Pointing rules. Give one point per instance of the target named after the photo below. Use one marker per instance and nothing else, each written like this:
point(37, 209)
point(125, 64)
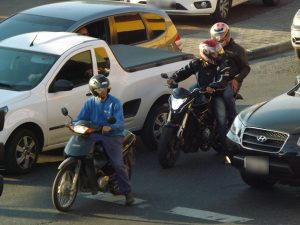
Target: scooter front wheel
point(64, 192)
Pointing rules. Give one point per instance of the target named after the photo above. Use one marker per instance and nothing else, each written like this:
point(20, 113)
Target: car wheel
point(21, 151)
point(222, 10)
point(271, 2)
point(257, 181)
point(155, 121)
point(297, 51)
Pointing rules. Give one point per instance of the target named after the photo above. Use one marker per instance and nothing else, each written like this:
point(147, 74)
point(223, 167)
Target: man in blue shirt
point(98, 109)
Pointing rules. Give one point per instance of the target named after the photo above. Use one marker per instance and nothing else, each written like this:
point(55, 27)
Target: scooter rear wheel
point(63, 196)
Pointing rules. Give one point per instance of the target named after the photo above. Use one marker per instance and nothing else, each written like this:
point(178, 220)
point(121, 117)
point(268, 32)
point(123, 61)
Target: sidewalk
point(262, 35)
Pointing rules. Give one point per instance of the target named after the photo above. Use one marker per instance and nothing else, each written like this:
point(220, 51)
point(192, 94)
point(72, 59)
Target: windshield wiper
point(8, 86)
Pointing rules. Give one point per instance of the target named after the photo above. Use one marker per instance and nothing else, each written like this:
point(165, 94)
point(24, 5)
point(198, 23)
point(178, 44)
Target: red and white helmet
point(210, 51)
point(220, 32)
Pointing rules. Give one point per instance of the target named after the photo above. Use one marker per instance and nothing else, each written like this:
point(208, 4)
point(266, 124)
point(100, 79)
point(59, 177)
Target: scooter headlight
point(80, 129)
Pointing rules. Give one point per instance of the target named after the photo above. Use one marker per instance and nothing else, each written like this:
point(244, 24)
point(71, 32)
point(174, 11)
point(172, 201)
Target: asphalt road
point(199, 187)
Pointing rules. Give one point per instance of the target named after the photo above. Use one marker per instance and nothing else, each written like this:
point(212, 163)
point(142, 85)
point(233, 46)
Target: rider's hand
point(210, 90)
point(235, 85)
point(106, 129)
point(170, 82)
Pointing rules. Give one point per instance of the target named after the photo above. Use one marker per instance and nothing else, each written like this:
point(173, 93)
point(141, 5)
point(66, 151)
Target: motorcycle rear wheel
point(62, 195)
point(168, 148)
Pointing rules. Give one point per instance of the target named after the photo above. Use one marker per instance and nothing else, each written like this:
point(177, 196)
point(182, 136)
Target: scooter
point(81, 152)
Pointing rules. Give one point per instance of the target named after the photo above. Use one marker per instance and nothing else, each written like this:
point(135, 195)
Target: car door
point(77, 68)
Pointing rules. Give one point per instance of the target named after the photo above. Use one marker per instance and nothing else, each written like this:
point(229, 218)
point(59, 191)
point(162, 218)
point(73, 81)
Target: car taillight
point(179, 42)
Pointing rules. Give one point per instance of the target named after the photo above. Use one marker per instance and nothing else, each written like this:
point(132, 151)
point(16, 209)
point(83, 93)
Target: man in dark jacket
point(212, 76)
point(237, 54)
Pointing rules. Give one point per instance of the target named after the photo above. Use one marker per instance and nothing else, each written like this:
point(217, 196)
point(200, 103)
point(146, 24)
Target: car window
point(103, 63)
point(100, 29)
point(130, 29)
point(23, 70)
point(156, 23)
point(78, 69)
point(25, 23)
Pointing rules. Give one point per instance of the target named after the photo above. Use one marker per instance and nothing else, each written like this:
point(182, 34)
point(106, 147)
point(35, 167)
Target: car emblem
point(261, 138)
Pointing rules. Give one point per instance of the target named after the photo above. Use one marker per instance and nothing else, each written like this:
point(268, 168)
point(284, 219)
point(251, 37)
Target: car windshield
point(25, 23)
point(23, 70)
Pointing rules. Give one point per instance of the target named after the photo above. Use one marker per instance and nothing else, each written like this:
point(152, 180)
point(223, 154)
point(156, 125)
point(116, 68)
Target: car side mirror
point(164, 76)
point(62, 85)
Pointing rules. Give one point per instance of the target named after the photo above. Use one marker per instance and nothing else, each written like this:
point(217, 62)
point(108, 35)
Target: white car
point(41, 72)
point(218, 9)
point(295, 33)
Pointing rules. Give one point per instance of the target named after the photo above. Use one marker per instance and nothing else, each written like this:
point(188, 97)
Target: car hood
point(281, 113)
point(9, 97)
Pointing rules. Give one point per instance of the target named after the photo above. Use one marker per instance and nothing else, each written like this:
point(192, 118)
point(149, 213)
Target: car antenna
point(33, 40)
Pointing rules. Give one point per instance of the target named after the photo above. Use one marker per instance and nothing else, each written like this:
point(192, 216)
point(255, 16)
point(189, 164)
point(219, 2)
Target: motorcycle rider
point(212, 75)
point(221, 32)
point(98, 109)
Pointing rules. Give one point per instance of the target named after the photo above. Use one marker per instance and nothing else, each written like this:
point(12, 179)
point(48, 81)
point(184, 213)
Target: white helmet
point(210, 51)
point(220, 32)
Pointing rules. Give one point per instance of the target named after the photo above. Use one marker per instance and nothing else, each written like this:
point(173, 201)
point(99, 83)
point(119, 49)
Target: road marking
point(108, 197)
point(207, 215)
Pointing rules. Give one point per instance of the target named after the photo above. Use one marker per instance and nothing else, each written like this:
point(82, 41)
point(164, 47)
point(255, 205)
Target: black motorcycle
point(190, 125)
point(74, 174)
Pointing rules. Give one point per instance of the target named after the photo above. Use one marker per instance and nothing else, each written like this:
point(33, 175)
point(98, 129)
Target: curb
point(269, 50)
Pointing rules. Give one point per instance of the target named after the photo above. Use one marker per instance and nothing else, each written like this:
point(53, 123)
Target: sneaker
point(129, 199)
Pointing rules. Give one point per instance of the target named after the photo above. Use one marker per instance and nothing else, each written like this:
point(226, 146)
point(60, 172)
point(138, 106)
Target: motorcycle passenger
point(98, 109)
point(210, 75)
point(221, 32)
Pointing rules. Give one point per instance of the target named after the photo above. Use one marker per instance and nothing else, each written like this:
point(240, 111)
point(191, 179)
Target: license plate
point(163, 4)
point(257, 165)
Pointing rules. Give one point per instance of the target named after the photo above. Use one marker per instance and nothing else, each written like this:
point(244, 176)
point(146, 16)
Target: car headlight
point(3, 112)
point(237, 126)
point(296, 21)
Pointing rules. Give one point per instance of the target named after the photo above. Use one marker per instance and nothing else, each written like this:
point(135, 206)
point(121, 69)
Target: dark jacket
point(207, 75)
point(238, 54)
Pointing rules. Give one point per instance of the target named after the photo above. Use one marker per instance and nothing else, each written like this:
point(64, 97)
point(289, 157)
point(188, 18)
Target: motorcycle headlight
point(237, 126)
point(176, 103)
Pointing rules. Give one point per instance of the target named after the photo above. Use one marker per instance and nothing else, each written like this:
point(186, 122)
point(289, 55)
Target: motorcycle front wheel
point(63, 196)
point(168, 147)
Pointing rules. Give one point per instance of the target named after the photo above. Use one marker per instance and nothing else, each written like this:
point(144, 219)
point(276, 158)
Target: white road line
point(108, 197)
point(207, 215)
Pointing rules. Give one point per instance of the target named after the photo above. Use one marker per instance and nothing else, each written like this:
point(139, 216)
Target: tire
point(152, 130)
point(222, 11)
point(1, 184)
point(297, 51)
point(168, 149)
point(63, 183)
point(257, 181)
point(271, 2)
point(22, 151)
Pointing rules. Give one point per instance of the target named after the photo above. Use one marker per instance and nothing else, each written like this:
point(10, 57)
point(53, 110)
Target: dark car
point(114, 22)
point(264, 141)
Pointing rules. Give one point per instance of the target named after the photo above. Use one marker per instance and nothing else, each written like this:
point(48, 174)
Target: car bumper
point(284, 166)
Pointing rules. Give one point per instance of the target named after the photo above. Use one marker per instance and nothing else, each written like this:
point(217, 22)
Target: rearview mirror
point(64, 111)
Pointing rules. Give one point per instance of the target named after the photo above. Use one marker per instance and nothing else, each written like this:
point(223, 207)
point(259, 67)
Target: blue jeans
point(113, 146)
point(219, 111)
point(229, 103)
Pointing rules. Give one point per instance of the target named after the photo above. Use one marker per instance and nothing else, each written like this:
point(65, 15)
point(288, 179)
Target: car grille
point(263, 140)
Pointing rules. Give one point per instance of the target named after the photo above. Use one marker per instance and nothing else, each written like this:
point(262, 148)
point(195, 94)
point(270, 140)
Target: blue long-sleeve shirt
point(98, 112)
